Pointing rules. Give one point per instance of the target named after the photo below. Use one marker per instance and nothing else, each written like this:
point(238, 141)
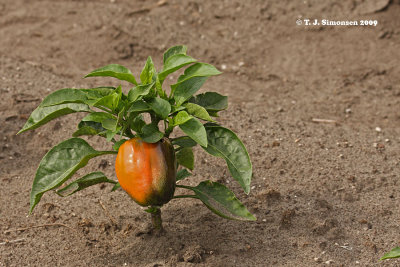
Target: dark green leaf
point(88, 128)
point(181, 118)
point(394, 253)
point(221, 201)
point(225, 144)
point(182, 174)
point(185, 157)
point(59, 164)
point(119, 143)
point(187, 88)
point(84, 182)
point(211, 101)
point(107, 120)
point(197, 70)
point(198, 111)
point(176, 109)
point(151, 134)
point(174, 63)
point(139, 106)
point(116, 186)
point(42, 115)
point(179, 49)
point(140, 90)
point(116, 71)
point(138, 123)
point(184, 141)
point(195, 130)
point(148, 72)
point(110, 101)
point(64, 96)
point(98, 92)
point(160, 106)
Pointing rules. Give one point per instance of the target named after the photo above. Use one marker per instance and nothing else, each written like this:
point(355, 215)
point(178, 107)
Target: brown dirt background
point(322, 193)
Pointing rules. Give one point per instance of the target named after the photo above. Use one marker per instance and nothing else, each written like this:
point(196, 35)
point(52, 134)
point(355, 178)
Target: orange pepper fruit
point(147, 171)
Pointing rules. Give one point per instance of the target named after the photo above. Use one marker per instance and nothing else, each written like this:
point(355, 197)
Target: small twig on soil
point(148, 8)
point(324, 121)
point(12, 241)
point(38, 226)
point(107, 213)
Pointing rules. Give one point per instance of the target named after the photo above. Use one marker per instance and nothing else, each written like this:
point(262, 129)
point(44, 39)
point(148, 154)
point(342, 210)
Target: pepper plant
point(150, 163)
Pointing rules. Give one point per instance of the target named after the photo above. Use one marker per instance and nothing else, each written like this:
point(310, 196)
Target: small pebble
point(223, 66)
point(348, 110)
point(378, 129)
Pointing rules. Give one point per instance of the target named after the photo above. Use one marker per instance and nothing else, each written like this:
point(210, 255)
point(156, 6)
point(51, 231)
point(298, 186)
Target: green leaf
point(110, 101)
point(64, 96)
point(148, 72)
point(59, 164)
point(394, 253)
point(138, 123)
point(174, 63)
point(181, 118)
point(139, 106)
point(84, 182)
point(116, 186)
point(179, 49)
point(107, 120)
point(221, 201)
point(195, 130)
point(182, 174)
point(160, 106)
point(184, 141)
point(185, 157)
point(42, 115)
point(115, 71)
point(211, 101)
point(187, 88)
point(89, 128)
point(140, 90)
point(197, 70)
point(151, 134)
point(98, 92)
point(225, 144)
point(198, 111)
point(119, 143)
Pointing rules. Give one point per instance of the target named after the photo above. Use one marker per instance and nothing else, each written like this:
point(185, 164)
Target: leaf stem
point(186, 196)
point(184, 186)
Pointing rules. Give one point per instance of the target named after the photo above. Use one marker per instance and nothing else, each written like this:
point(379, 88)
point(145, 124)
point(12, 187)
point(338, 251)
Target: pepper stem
point(156, 219)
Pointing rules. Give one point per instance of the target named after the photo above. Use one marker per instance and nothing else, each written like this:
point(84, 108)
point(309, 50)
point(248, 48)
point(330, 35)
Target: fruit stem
point(156, 219)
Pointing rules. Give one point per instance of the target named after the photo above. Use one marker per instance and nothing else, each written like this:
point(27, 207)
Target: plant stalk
point(156, 219)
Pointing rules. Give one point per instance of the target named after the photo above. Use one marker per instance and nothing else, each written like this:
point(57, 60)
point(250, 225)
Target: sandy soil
point(323, 193)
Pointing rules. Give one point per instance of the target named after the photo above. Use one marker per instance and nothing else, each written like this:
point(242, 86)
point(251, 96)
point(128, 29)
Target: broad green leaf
point(197, 111)
point(107, 120)
point(159, 89)
point(184, 141)
point(84, 182)
point(64, 96)
point(98, 92)
point(148, 72)
point(118, 144)
point(195, 130)
point(160, 106)
point(59, 164)
point(116, 186)
point(176, 109)
point(185, 157)
point(151, 134)
point(174, 63)
point(140, 90)
point(139, 106)
point(115, 71)
point(42, 115)
point(182, 174)
point(196, 70)
point(138, 123)
point(179, 49)
point(187, 88)
point(110, 101)
point(220, 200)
point(211, 101)
point(181, 118)
point(224, 143)
point(394, 253)
point(89, 128)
